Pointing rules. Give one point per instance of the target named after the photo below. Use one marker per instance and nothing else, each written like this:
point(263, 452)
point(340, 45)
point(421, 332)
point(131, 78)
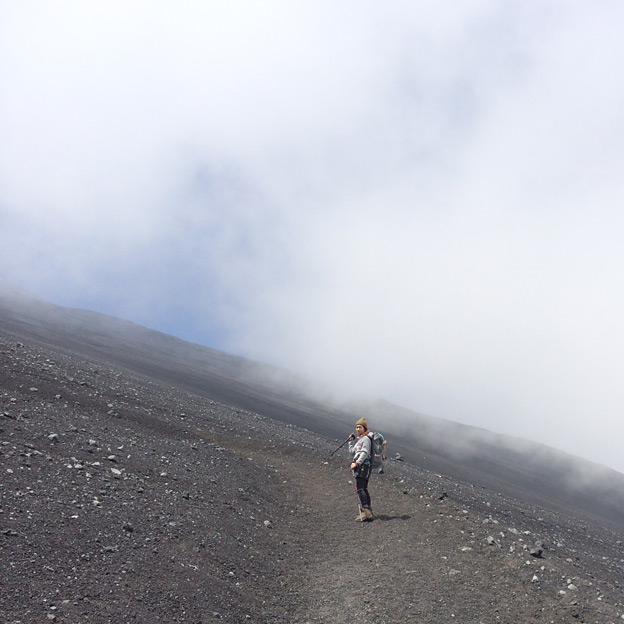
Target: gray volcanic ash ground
point(125, 499)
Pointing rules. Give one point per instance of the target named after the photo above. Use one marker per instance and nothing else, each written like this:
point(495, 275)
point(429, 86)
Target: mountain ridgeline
point(523, 469)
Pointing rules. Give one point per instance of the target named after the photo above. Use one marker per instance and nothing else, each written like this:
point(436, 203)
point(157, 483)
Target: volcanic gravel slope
point(123, 499)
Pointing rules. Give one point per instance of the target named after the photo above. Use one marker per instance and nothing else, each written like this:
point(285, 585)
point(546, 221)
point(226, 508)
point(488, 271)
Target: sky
point(419, 201)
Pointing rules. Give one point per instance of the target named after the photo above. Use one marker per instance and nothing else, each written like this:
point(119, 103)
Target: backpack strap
point(371, 436)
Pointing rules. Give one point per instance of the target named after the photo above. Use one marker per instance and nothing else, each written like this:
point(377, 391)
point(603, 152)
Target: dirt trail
point(424, 559)
point(395, 569)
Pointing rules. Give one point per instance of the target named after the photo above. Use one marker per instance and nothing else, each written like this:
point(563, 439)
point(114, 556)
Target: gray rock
point(537, 550)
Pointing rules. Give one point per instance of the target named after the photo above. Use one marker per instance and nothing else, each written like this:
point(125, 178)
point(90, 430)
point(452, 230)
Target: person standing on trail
point(361, 449)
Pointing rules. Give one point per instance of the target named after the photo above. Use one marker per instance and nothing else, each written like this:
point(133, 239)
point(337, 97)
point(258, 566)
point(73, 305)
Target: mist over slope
point(517, 467)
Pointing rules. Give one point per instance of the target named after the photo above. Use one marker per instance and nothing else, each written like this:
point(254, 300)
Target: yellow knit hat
point(362, 422)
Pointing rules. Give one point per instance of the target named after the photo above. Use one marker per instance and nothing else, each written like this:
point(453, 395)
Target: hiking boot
point(366, 515)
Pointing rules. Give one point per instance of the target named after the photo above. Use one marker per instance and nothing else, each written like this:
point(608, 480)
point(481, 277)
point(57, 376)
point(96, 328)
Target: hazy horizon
point(419, 203)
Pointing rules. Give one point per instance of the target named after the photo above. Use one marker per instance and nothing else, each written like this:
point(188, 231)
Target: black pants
point(362, 475)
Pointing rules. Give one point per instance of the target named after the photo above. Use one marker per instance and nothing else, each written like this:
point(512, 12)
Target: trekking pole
point(347, 440)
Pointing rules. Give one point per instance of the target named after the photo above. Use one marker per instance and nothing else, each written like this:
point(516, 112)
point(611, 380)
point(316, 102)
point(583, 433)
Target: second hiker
point(361, 449)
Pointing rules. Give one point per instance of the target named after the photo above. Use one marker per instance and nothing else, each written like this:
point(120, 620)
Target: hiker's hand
point(353, 466)
point(352, 436)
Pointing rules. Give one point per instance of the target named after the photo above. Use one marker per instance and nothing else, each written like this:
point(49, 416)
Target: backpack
point(377, 441)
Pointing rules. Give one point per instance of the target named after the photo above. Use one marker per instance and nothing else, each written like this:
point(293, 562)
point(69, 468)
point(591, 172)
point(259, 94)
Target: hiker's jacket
point(361, 450)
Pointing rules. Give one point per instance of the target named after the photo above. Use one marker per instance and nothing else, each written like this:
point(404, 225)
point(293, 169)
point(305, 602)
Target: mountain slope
point(125, 499)
point(514, 467)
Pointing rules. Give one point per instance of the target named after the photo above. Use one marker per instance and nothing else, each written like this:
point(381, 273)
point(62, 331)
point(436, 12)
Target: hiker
point(361, 466)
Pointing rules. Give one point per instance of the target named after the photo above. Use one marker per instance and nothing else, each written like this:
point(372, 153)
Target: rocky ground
point(126, 500)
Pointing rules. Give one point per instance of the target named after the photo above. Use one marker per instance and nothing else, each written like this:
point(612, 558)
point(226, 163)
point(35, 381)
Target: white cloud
point(419, 202)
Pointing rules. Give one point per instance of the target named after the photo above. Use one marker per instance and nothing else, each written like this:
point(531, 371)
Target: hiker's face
point(359, 429)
